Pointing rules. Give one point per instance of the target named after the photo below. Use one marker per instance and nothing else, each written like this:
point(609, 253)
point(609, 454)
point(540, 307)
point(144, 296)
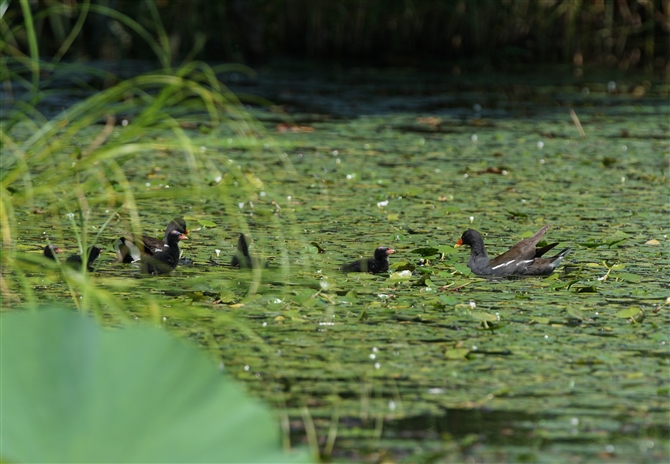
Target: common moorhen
point(524, 258)
point(130, 249)
point(75, 260)
point(50, 251)
point(242, 258)
point(380, 263)
point(164, 261)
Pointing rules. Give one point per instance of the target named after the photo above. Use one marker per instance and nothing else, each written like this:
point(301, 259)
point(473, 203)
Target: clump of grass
point(75, 173)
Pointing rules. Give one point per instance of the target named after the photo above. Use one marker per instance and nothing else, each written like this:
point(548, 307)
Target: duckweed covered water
point(435, 364)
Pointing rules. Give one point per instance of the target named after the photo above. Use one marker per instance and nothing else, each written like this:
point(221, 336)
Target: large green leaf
point(74, 392)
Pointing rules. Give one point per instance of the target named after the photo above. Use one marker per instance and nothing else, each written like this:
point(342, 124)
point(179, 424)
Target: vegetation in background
point(623, 33)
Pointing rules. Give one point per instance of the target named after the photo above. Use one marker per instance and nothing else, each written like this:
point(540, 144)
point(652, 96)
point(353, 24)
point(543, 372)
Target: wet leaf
point(401, 276)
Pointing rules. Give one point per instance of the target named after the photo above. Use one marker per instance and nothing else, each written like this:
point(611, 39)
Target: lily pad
point(628, 312)
point(87, 394)
point(206, 223)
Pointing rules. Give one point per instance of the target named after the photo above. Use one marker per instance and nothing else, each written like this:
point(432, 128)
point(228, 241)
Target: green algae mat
point(425, 363)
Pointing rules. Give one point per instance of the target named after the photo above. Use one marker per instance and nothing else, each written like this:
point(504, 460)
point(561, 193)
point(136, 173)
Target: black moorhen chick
point(75, 260)
point(242, 258)
point(50, 251)
point(522, 259)
point(164, 261)
point(129, 249)
point(380, 263)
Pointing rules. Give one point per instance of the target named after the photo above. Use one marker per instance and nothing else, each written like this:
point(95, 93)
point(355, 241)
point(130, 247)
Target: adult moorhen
point(130, 249)
point(380, 263)
point(164, 261)
point(50, 251)
point(75, 260)
point(524, 258)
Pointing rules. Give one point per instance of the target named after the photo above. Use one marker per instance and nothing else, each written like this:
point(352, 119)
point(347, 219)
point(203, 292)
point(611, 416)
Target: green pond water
point(434, 365)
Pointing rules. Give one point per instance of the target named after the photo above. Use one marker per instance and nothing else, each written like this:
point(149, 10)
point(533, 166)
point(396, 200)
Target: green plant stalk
point(65, 46)
point(34, 51)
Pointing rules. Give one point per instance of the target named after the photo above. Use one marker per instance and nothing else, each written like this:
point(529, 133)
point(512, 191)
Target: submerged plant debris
point(426, 362)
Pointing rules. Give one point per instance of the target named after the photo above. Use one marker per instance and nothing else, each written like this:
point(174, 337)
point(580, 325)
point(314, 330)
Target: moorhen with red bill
point(130, 249)
point(380, 262)
point(524, 258)
point(164, 261)
point(50, 251)
point(75, 260)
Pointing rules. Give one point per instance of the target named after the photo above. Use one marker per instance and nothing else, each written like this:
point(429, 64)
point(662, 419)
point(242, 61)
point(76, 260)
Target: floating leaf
point(304, 296)
point(653, 241)
point(592, 244)
point(518, 214)
point(463, 269)
point(617, 238)
point(587, 289)
point(424, 280)
point(448, 300)
point(393, 217)
point(484, 317)
point(575, 314)
point(447, 249)
point(401, 276)
point(404, 266)
point(627, 276)
point(350, 297)
point(426, 251)
point(85, 395)
point(254, 180)
point(456, 353)
point(206, 223)
point(227, 297)
point(626, 313)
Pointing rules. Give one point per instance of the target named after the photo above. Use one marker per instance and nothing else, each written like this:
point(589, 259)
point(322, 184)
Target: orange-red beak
point(390, 251)
point(459, 243)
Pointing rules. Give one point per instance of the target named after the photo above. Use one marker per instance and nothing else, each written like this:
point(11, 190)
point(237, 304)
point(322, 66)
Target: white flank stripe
point(503, 265)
